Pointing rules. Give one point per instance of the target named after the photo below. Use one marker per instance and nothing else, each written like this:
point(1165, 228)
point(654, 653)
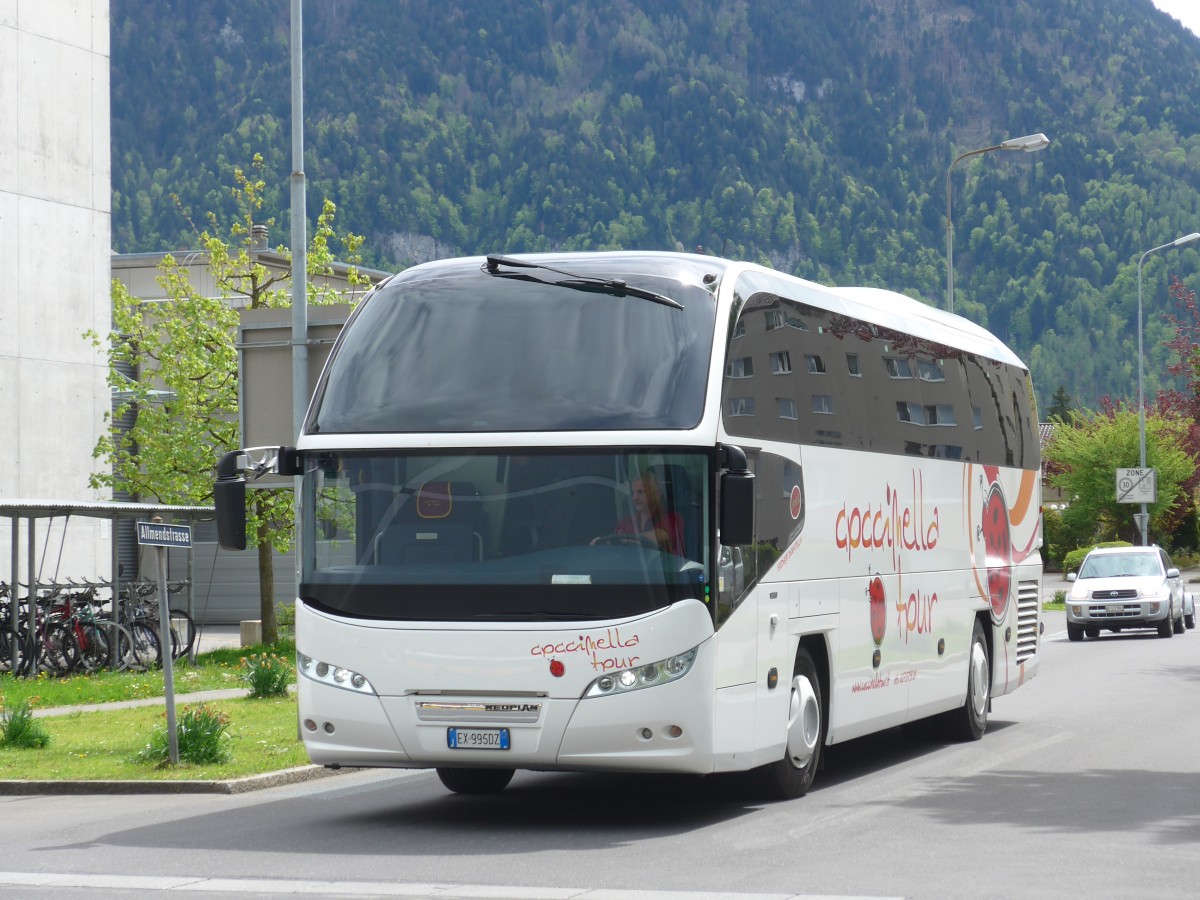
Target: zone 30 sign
point(1137, 486)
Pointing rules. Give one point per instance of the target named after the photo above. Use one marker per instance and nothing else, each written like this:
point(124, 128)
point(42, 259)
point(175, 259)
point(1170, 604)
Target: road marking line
point(377, 888)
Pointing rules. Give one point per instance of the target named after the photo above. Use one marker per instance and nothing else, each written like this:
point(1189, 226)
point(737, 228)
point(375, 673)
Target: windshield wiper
point(614, 286)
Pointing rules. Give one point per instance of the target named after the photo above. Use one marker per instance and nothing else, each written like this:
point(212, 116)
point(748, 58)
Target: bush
point(202, 735)
point(18, 727)
point(268, 674)
point(1073, 559)
point(285, 618)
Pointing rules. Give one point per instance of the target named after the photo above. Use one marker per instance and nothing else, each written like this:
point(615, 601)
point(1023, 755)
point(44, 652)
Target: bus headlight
point(644, 676)
point(332, 675)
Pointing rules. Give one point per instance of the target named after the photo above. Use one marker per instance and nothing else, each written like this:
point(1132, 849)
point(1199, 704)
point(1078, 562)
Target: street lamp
point(1144, 522)
point(1030, 143)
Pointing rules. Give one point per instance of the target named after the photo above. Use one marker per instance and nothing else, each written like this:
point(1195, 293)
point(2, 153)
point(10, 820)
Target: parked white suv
point(1125, 587)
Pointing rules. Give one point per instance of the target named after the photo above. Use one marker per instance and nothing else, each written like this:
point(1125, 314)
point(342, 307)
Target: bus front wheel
point(475, 781)
point(792, 776)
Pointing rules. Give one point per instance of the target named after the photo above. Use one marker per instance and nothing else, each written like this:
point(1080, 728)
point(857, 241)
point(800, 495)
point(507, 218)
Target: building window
point(977, 417)
point(777, 318)
point(822, 403)
point(787, 407)
point(741, 406)
point(852, 365)
point(815, 365)
point(940, 414)
point(910, 412)
point(742, 367)
point(898, 368)
point(930, 371)
point(781, 363)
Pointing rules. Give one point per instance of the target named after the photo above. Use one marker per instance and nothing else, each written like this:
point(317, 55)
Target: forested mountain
point(812, 136)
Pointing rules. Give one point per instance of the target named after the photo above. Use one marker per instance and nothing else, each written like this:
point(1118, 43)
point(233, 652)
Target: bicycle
point(100, 642)
point(139, 609)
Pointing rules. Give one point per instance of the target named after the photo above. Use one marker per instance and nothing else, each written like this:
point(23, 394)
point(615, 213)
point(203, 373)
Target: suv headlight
point(650, 675)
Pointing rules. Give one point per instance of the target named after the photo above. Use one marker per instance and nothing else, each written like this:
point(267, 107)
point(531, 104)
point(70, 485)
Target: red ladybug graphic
point(878, 610)
point(997, 542)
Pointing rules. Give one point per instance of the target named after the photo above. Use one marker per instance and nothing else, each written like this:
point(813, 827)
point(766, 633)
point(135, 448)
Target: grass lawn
point(103, 745)
point(216, 670)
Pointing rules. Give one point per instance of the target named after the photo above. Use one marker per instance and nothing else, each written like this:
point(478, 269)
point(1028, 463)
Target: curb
point(232, 786)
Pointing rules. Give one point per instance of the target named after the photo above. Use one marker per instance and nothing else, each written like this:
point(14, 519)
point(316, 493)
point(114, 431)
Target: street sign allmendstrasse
point(156, 534)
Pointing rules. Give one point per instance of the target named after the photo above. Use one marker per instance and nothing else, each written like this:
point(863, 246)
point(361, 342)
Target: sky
point(1186, 11)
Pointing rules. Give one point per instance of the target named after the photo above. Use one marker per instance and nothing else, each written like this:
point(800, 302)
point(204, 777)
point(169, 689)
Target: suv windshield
point(505, 536)
point(1116, 565)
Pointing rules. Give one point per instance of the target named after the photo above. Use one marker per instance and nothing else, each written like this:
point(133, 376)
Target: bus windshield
point(513, 536)
point(456, 350)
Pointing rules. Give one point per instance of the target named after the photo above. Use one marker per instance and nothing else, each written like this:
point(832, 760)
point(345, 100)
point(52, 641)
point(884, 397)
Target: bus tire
point(792, 776)
point(475, 781)
point(969, 721)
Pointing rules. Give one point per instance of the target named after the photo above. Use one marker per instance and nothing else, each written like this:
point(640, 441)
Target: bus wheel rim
point(804, 722)
point(979, 678)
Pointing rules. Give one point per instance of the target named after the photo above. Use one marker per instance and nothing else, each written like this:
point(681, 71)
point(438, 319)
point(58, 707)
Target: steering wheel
point(621, 537)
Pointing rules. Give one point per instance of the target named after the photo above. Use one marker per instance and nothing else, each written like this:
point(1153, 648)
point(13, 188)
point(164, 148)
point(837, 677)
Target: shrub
point(202, 735)
point(285, 618)
point(268, 674)
point(1073, 559)
point(18, 727)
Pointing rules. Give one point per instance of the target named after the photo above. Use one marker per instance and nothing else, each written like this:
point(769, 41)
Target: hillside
point(812, 137)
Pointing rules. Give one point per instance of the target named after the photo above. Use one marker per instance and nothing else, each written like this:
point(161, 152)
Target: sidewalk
point(216, 637)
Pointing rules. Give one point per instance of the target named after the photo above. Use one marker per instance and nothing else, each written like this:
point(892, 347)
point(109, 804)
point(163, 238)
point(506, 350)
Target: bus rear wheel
point(792, 776)
point(475, 781)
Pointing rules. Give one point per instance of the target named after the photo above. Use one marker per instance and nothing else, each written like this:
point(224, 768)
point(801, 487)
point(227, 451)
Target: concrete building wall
point(55, 243)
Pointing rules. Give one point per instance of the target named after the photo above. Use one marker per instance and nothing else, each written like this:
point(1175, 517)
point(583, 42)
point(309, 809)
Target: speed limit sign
point(1137, 485)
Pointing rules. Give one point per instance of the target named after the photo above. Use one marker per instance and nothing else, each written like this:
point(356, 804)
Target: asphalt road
point(1087, 784)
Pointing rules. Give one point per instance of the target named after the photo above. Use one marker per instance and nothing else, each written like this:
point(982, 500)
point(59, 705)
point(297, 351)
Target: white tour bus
point(652, 512)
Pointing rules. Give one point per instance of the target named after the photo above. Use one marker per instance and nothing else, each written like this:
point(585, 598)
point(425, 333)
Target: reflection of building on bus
point(855, 477)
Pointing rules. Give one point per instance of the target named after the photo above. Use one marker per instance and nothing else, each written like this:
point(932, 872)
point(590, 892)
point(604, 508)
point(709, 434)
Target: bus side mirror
point(229, 498)
point(737, 508)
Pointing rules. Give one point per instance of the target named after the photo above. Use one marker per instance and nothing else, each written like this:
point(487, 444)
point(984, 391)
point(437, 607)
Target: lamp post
point(1030, 143)
point(1144, 522)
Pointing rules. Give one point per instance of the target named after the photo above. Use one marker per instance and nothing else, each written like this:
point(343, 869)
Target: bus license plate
point(477, 738)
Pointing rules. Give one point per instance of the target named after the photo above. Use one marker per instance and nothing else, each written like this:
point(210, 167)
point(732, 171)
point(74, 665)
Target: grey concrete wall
point(55, 243)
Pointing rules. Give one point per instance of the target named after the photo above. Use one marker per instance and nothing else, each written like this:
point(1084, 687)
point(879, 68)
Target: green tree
point(185, 393)
point(1083, 461)
point(1061, 405)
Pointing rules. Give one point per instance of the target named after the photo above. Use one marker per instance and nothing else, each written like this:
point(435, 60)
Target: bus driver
point(650, 522)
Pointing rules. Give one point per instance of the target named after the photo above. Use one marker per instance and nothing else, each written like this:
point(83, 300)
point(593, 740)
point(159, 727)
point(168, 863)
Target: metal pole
point(14, 609)
point(299, 257)
point(31, 562)
point(164, 642)
point(299, 215)
point(1144, 522)
point(950, 225)
point(1030, 143)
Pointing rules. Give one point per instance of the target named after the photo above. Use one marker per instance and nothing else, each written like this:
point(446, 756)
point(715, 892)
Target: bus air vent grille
point(1028, 614)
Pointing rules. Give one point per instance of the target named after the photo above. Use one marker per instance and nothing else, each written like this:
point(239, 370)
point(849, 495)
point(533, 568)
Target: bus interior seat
point(442, 522)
